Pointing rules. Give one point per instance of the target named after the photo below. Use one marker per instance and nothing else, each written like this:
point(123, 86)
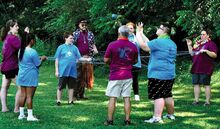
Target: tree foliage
point(50, 18)
point(197, 15)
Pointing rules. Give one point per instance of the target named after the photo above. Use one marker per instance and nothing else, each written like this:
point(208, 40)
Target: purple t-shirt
point(10, 53)
point(122, 54)
point(83, 44)
point(202, 63)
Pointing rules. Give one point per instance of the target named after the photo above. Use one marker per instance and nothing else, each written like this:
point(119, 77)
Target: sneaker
point(136, 97)
point(58, 103)
point(70, 103)
point(195, 103)
point(206, 104)
point(154, 120)
point(21, 117)
point(32, 118)
point(108, 122)
point(127, 122)
point(168, 116)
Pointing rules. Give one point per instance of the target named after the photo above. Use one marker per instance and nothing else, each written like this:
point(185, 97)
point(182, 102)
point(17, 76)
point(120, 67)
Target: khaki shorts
point(117, 88)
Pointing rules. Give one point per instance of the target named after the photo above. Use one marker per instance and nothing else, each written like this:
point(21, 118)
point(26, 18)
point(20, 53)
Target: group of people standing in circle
point(74, 67)
point(161, 69)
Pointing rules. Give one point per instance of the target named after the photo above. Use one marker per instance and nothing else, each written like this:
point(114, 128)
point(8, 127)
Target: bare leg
point(70, 93)
point(207, 93)
point(59, 94)
point(197, 92)
point(16, 109)
point(30, 94)
point(169, 105)
point(127, 108)
point(158, 107)
point(22, 98)
point(111, 107)
point(4, 90)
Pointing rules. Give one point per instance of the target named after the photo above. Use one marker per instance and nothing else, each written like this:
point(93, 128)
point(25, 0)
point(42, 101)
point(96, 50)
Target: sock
point(21, 109)
point(30, 113)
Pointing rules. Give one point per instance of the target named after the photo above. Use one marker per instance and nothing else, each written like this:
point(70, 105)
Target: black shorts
point(70, 81)
point(10, 74)
point(201, 79)
point(159, 88)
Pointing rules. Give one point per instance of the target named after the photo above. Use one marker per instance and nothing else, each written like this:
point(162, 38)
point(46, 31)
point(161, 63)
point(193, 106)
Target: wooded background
point(49, 19)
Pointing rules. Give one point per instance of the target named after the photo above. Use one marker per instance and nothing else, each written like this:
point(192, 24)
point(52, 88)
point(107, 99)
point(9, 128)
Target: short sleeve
point(212, 47)
point(152, 45)
point(57, 54)
point(108, 52)
point(36, 58)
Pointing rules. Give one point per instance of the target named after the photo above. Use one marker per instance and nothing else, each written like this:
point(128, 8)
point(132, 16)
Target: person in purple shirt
point(84, 40)
point(9, 65)
point(120, 55)
point(203, 53)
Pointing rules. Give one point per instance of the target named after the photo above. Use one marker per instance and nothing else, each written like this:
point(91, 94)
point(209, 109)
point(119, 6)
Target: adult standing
point(120, 55)
point(203, 52)
point(136, 67)
point(84, 40)
point(9, 65)
point(161, 71)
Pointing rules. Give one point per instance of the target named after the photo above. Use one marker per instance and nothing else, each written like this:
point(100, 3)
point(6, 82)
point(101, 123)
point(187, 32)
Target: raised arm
point(142, 39)
point(189, 45)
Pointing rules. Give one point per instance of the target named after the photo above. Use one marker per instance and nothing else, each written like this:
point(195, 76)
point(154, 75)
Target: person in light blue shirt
point(66, 56)
point(161, 71)
point(136, 67)
point(29, 63)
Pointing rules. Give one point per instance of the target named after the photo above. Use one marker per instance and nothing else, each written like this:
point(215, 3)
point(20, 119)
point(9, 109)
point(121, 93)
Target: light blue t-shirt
point(162, 59)
point(67, 56)
point(133, 39)
point(28, 68)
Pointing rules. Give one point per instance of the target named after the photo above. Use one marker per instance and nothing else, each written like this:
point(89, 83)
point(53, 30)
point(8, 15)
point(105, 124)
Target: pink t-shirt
point(122, 54)
point(202, 63)
point(10, 53)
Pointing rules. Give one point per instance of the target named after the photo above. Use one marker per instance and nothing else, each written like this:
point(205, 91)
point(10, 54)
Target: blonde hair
point(130, 23)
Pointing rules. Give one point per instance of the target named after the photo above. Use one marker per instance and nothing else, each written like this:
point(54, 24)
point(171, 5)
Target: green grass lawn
point(90, 114)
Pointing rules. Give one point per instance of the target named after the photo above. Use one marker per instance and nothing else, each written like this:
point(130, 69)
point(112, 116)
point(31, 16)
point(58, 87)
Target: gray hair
point(123, 31)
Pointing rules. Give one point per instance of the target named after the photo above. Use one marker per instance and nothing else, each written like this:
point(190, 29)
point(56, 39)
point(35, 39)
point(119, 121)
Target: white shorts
point(117, 88)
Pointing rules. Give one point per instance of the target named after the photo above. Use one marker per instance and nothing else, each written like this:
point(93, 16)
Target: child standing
point(66, 56)
point(29, 63)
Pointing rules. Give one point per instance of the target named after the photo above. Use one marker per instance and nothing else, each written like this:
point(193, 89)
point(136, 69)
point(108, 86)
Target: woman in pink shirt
point(9, 65)
point(203, 53)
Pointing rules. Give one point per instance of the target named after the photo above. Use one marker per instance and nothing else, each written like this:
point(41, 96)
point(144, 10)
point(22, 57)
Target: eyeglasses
point(83, 25)
point(160, 28)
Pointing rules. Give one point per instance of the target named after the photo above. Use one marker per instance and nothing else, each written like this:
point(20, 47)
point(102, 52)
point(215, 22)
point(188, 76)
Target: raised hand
point(139, 27)
point(189, 42)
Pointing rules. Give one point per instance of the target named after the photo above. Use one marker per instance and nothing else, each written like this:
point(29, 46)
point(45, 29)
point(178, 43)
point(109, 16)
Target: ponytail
point(26, 39)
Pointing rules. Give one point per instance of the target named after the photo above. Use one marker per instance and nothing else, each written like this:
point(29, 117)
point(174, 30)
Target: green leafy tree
point(197, 15)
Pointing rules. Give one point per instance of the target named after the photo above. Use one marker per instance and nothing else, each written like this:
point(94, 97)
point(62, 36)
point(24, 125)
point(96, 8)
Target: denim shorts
point(201, 79)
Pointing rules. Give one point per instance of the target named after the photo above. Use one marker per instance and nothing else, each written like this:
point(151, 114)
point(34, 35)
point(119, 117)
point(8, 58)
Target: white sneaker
point(168, 116)
point(154, 120)
point(136, 97)
point(32, 118)
point(21, 117)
